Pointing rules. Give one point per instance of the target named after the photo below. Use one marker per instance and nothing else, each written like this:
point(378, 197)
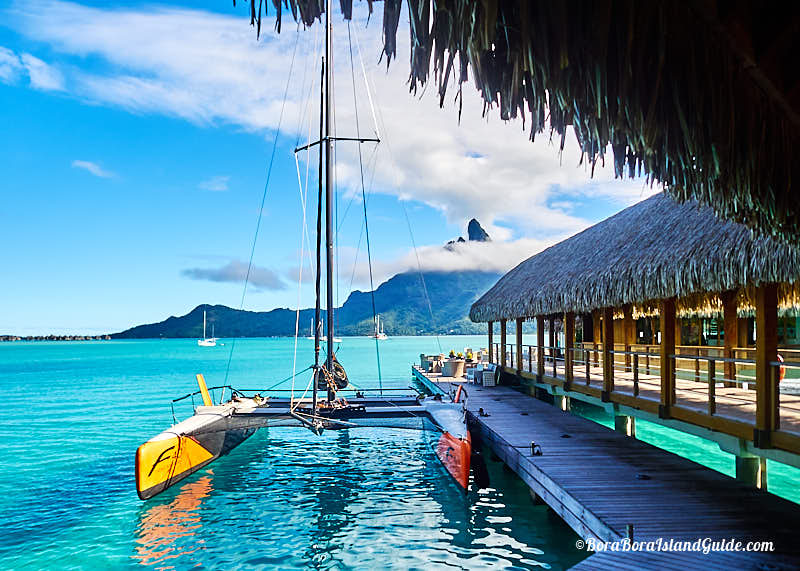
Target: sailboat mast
point(329, 185)
point(204, 324)
point(315, 324)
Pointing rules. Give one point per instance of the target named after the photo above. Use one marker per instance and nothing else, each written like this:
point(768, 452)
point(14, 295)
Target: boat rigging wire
point(264, 194)
point(304, 240)
point(393, 161)
point(366, 221)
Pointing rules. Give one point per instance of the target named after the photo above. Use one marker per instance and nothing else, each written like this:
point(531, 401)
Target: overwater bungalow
point(669, 313)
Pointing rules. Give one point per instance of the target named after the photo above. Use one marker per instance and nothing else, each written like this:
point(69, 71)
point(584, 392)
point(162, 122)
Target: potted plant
point(454, 366)
point(469, 357)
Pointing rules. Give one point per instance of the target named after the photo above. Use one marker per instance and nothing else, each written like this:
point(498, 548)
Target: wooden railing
point(709, 389)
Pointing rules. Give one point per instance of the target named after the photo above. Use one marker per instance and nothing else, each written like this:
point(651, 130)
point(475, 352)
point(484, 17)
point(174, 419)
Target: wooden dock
point(608, 486)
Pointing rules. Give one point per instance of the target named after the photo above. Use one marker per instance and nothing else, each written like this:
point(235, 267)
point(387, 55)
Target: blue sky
point(134, 147)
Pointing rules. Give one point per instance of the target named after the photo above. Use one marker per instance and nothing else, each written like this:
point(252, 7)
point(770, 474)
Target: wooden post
point(598, 334)
point(766, 353)
point(629, 332)
point(519, 344)
point(491, 341)
point(730, 325)
point(569, 342)
point(608, 357)
point(668, 328)
point(502, 342)
point(539, 346)
point(587, 328)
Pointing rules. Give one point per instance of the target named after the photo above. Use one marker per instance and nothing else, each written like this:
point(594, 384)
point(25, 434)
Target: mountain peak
point(476, 233)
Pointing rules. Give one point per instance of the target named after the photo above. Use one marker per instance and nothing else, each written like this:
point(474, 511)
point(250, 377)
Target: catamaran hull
point(455, 454)
point(177, 453)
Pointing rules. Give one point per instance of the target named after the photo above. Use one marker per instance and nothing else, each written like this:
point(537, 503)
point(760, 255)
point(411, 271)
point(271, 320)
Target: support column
point(502, 342)
point(608, 357)
point(629, 332)
point(752, 471)
point(491, 341)
point(766, 353)
point(730, 324)
point(551, 322)
point(569, 343)
point(667, 363)
point(587, 328)
point(519, 345)
point(540, 346)
point(598, 332)
point(625, 424)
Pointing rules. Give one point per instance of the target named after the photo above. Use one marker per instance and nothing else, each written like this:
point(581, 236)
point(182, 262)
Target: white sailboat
point(322, 337)
point(207, 341)
point(378, 333)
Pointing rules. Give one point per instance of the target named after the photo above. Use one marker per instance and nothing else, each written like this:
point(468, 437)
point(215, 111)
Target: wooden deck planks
point(592, 480)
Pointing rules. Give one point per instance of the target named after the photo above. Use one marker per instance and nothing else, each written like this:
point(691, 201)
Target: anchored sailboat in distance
point(378, 333)
point(207, 341)
point(216, 429)
point(323, 338)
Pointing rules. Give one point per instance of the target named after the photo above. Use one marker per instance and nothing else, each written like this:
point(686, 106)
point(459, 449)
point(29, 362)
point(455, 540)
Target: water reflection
point(161, 525)
point(293, 500)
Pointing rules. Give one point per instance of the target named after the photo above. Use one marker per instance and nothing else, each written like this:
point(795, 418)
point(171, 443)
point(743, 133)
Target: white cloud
point(215, 183)
point(10, 65)
point(93, 168)
point(42, 75)
point(209, 69)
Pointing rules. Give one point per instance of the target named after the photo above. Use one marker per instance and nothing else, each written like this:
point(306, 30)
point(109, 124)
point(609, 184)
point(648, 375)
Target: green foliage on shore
point(400, 301)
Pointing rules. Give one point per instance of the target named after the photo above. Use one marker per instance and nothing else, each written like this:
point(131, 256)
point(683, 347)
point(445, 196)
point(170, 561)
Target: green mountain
point(400, 301)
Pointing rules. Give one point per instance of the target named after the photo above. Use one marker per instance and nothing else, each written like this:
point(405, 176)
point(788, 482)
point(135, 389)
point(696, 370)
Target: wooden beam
point(668, 329)
point(491, 341)
point(502, 342)
point(608, 357)
point(569, 343)
point(766, 353)
point(519, 344)
point(540, 345)
point(730, 325)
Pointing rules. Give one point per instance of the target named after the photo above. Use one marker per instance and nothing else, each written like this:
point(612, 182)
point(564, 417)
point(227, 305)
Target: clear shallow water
point(366, 498)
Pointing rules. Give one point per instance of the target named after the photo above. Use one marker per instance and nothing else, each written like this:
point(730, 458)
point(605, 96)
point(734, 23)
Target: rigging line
point(361, 232)
point(287, 379)
point(366, 82)
point(355, 194)
point(366, 221)
point(307, 94)
point(304, 237)
point(264, 194)
point(410, 231)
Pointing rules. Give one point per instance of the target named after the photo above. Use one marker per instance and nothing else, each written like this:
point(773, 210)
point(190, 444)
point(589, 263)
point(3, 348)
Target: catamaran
point(378, 333)
point(207, 341)
point(322, 338)
point(217, 428)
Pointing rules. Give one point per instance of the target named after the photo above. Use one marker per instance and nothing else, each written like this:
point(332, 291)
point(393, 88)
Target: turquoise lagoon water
point(362, 498)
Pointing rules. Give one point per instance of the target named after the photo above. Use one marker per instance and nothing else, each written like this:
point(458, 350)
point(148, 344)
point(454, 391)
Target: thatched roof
point(701, 96)
point(652, 250)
